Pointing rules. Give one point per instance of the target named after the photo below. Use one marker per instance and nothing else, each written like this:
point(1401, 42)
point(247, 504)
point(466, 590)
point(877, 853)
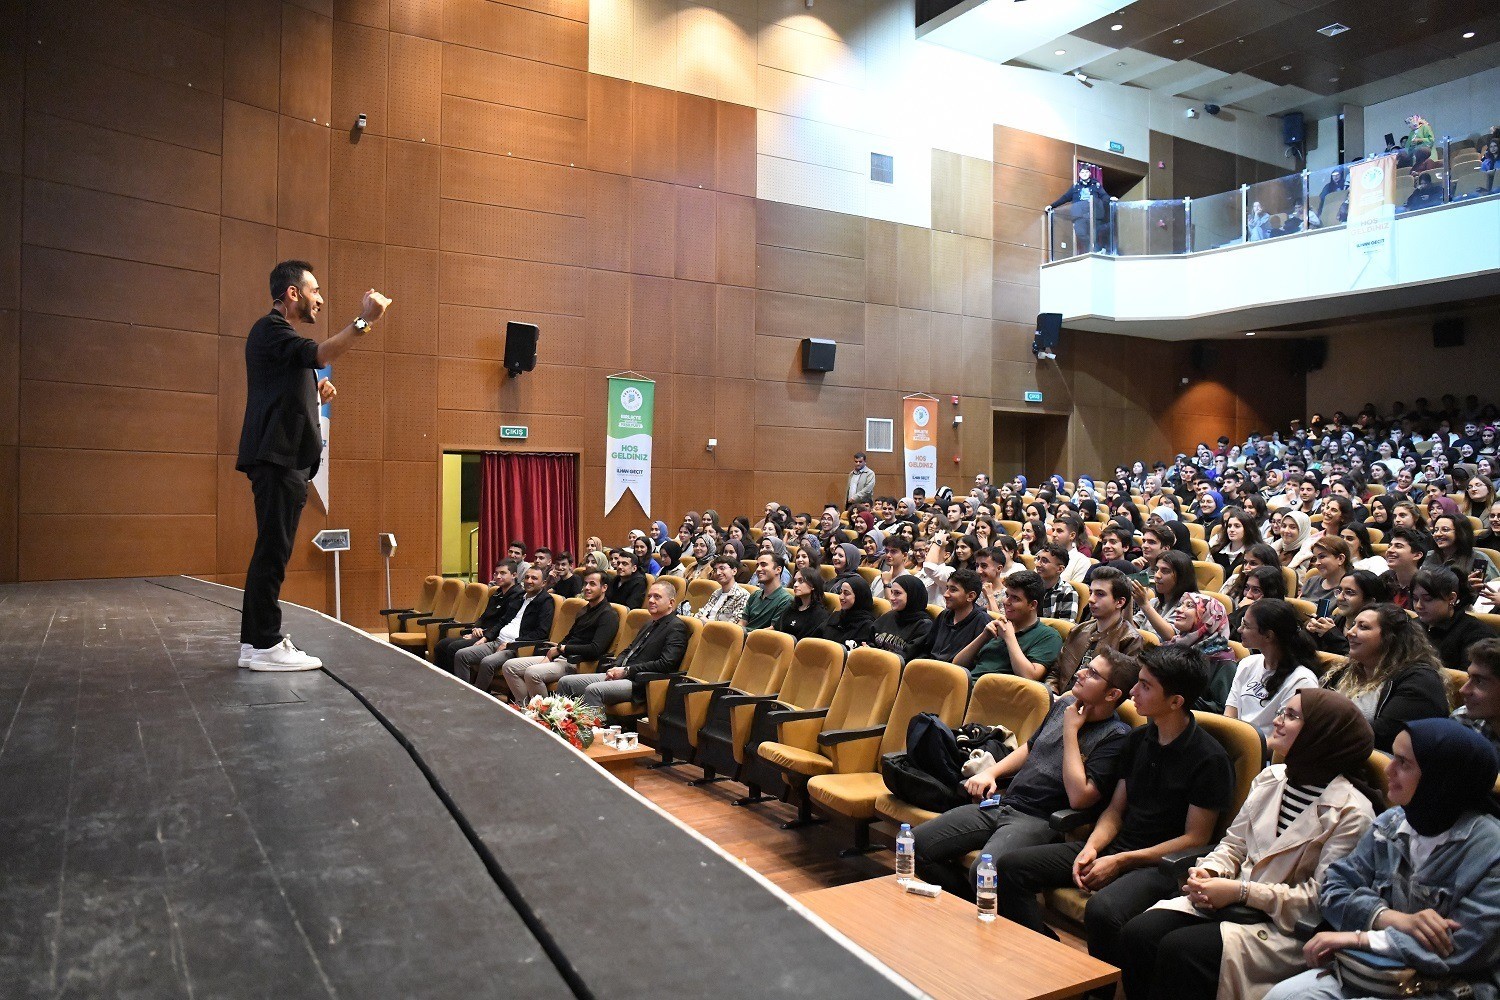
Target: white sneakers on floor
point(282, 657)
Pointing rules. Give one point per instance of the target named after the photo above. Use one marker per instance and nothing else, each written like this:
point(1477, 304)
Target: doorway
point(1029, 444)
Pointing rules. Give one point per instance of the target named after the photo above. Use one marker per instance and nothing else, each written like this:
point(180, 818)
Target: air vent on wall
point(880, 435)
point(882, 168)
point(1333, 29)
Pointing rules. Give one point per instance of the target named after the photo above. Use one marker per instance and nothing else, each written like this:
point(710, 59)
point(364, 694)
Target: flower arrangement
point(572, 720)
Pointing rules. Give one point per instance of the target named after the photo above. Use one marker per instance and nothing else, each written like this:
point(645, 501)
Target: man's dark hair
point(859, 454)
point(833, 507)
point(540, 549)
point(1180, 670)
point(630, 557)
point(1442, 583)
point(1072, 522)
point(1419, 541)
point(1163, 534)
point(967, 579)
point(1124, 669)
point(517, 544)
point(563, 556)
point(776, 559)
point(514, 565)
point(729, 561)
point(286, 274)
point(1118, 583)
point(1485, 654)
point(1057, 552)
point(899, 543)
point(1026, 582)
point(590, 570)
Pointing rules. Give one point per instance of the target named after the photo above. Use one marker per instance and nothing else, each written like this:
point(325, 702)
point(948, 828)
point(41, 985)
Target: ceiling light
point(1284, 68)
point(1249, 333)
point(1120, 63)
point(1059, 52)
point(1116, 27)
point(1421, 20)
point(1178, 41)
point(1330, 30)
point(1333, 79)
point(1468, 34)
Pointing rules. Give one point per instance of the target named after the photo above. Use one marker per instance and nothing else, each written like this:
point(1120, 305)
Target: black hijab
point(916, 599)
point(1458, 773)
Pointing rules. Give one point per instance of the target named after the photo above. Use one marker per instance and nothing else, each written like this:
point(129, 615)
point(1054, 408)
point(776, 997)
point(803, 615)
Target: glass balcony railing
point(1455, 170)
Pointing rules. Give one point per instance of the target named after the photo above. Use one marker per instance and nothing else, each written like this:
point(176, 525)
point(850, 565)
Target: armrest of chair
point(433, 621)
point(692, 687)
point(1308, 926)
point(1069, 820)
point(649, 676)
point(834, 737)
point(795, 715)
point(534, 646)
point(737, 700)
point(1239, 913)
point(1176, 865)
point(447, 628)
point(396, 611)
point(798, 728)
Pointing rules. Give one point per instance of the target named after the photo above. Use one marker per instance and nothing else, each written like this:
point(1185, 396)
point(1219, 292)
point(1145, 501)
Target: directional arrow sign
point(332, 540)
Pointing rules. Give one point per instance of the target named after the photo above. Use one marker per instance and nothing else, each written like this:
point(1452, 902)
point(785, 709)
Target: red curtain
point(530, 498)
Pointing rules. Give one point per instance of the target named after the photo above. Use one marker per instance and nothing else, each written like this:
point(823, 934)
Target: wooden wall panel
point(914, 267)
point(359, 79)
point(653, 144)
point(412, 175)
point(609, 130)
point(417, 17)
point(778, 224)
point(495, 128)
point(12, 211)
point(71, 284)
point(947, 191)
point(411, 408)
point(494, 231)
point(808, 273)
point(504, 180)
point(251, 143)
point(412, 282)
point(357, 189)
point(736, 232)
point(415, 84)
point(92, 352)
point(370, 13)
point(472, 332)
point(497, 283)
point(881, 260)
point(101, 159)
point(119, 99)
point(697, 141)
point(252, 53)
point(84, 546)
point(697, 234)
point(306, 64)
point(782, 314)
point(734, 165)
point(63, 415)
point(515, 31)
point(653, 228)
point(497, 78)
point(302, 180)
point(67, 481)
point(947, 272)
point(71, 218)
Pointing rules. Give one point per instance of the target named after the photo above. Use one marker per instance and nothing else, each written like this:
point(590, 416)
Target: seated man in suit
point(530, 622)
point(658, 648)
point(592, 634)
point(500, 609)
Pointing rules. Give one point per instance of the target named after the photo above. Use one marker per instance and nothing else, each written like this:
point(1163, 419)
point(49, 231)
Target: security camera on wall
point(1192, 112)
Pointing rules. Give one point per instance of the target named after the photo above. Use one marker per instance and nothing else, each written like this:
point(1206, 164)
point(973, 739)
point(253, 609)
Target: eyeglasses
point(1287, 715)
point(1090, 672)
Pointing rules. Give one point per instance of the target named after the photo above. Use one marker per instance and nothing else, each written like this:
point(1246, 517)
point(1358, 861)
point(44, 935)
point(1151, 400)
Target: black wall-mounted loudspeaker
point(817, 355)
point(1448, 332)
point(1309, 354)
point(1293, 129)
point(520, 347)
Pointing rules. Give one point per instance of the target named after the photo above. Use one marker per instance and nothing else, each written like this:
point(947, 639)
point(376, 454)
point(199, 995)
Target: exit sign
point(514, 432)
point(1117, 147)
point(1033, 397)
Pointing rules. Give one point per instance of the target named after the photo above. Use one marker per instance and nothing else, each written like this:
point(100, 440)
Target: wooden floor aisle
point(796, 861)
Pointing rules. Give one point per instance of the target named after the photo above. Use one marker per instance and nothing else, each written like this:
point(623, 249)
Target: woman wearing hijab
point(704, 550)
point(807, 613)
point(845, 560)
point(659, 533)
point(1210, 507)
point(1293, 542)
point(1421, 888)
point(906, 625)
point(669, 556)
point(1203, 624)
point(596, 555)
point(850, 626)
point(1300, 816)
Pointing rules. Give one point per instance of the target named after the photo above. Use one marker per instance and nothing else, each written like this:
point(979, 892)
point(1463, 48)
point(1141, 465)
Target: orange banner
point(919, 435)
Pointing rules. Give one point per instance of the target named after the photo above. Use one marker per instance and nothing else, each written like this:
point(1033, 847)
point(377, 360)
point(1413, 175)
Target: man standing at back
point(861, 483)
point(281, 447)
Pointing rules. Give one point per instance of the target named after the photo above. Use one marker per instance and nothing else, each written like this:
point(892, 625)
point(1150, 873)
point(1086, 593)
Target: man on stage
point(281, 446)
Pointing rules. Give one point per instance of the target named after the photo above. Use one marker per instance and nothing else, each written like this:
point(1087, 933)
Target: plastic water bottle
point(985, 888)
point(906, 853)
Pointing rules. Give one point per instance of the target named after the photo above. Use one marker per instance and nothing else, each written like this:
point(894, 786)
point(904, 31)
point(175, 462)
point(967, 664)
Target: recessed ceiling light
point(1421, 20)
point(1249, 333)
point(1284, 68)
point(1059, 52)
point(1330, 30)
point(1120, 63)
point(1178, 41)
point(1333, 79)
point(1468, 34)
point(1116, 27)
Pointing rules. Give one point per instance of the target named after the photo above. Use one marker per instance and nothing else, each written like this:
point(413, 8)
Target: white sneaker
point(246, 651)
point(283, 657)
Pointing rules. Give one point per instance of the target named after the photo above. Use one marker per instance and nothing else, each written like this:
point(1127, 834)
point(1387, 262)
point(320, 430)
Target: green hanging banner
point(632, 402)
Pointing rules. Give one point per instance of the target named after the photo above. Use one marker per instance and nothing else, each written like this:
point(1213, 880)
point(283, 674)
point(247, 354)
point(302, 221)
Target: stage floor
point(175, 826)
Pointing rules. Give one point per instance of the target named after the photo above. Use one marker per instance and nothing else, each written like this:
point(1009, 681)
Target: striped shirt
point(1294, 802)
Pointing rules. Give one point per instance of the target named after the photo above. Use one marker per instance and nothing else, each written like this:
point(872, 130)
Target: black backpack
point(927, 775)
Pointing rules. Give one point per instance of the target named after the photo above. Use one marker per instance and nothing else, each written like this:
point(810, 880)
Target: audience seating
point(1064, 628)
point(1016, 703)
point(870, 573)
point(1200, 549)
point(828, 572)
point(465, 615)
point(762, 667)
point(882, 606)
point(1306, 609)
point(1083, 599)
point(420, 607)
point(1210, 575)
point(700, 590)
point(863, 699)
point(831, 602)
point(1293, 585)
point(677, 582)
point(701, 661)
point(449, 591)
point(1453, 680)
point(817, 665)
point(926, 686)
point(686, 695)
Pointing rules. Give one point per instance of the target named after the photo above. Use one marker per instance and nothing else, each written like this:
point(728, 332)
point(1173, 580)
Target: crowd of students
point(1314, 584)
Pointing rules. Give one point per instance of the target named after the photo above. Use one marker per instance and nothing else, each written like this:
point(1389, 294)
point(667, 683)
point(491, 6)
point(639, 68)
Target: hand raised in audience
point(1138, 591)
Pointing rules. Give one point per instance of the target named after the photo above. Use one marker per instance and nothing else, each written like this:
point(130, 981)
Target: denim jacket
point(1460, 881)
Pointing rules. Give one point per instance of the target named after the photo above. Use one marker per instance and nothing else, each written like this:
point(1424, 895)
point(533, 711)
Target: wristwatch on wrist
point(361, 325)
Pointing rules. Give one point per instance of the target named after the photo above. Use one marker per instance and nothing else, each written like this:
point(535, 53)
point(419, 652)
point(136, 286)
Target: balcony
point(1278, 253)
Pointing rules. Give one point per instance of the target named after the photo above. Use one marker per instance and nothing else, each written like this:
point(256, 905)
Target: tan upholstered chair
point(926, 686)
point(420, 607)
point(413, 637)
point(760, 669)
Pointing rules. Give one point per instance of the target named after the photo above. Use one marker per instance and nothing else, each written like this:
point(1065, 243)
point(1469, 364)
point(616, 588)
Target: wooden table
point(942, 948)
point(619, 763)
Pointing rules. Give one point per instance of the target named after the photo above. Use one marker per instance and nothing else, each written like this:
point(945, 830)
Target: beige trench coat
point(1285, 875)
